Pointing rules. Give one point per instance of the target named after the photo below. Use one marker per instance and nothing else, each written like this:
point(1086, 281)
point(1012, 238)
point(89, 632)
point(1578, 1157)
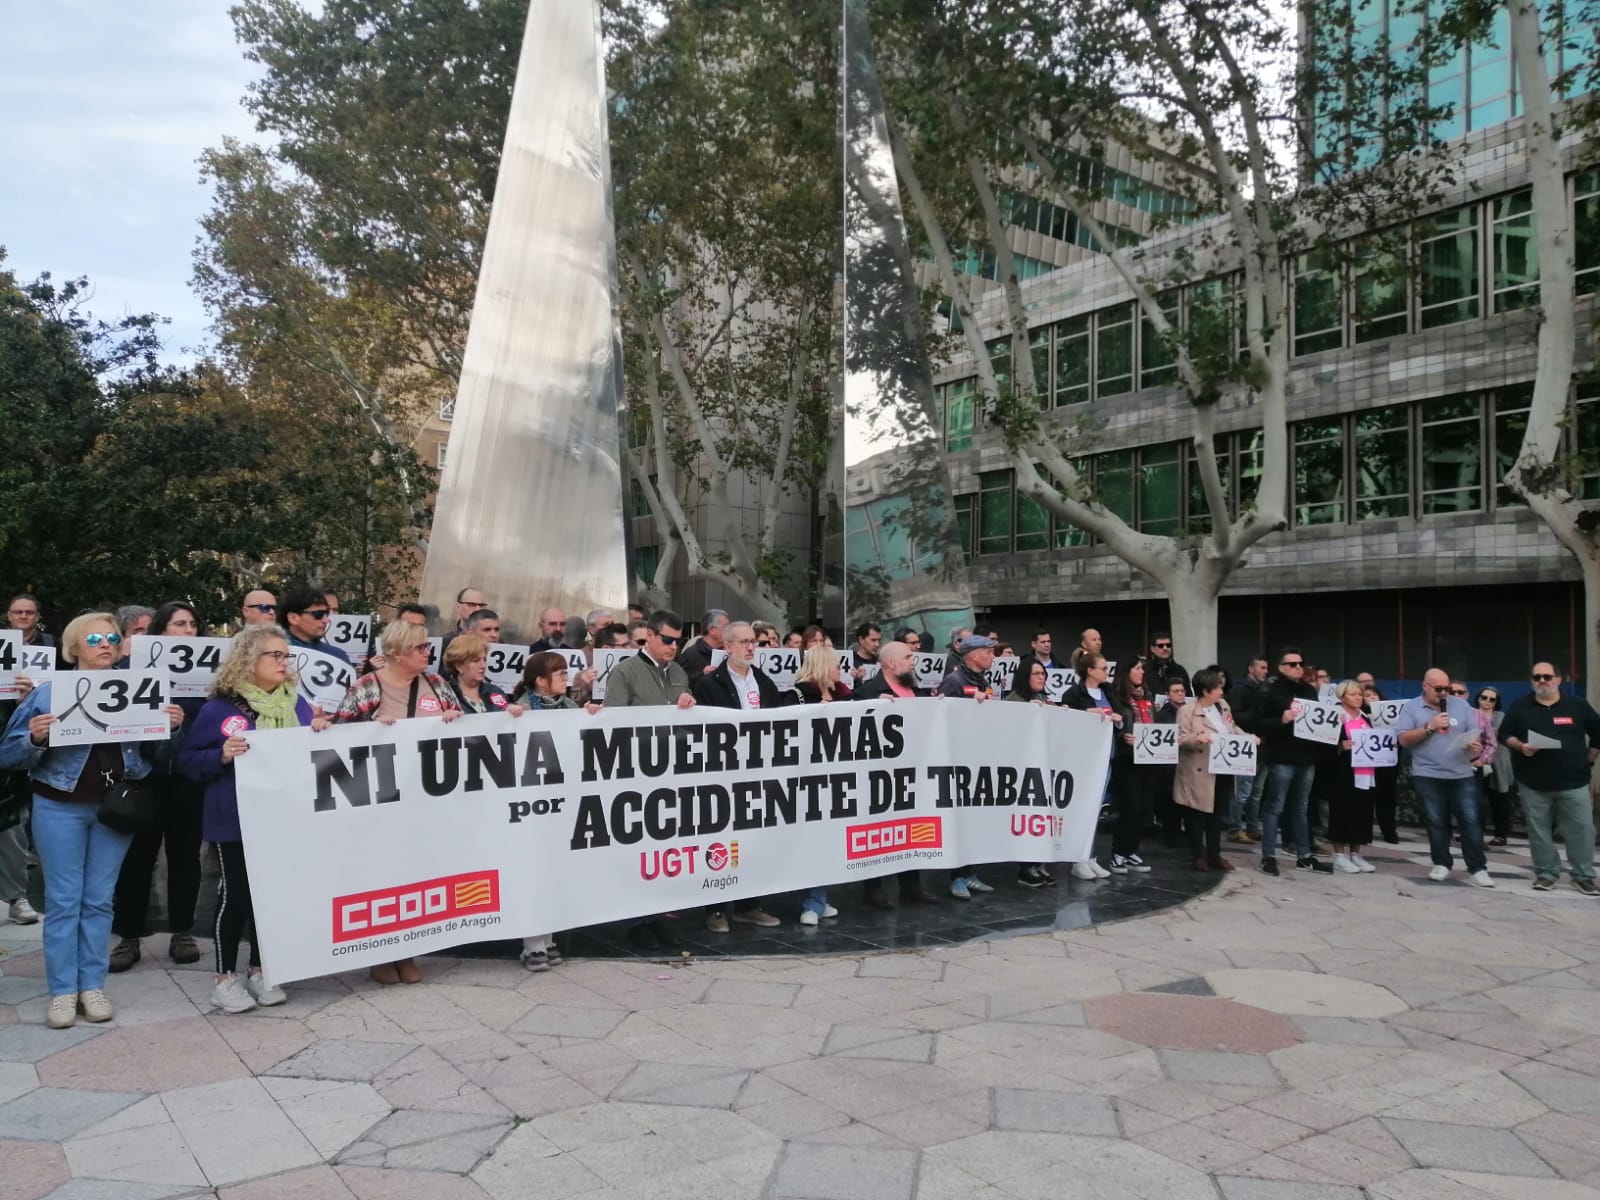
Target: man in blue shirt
point(1439, 730)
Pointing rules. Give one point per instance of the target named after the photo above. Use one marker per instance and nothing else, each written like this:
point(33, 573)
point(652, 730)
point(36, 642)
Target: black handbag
point(129, 806)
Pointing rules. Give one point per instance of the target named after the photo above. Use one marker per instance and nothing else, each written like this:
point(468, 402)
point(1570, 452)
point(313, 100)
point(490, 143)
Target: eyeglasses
point(263, 608)
point(1543, 678)
point(474, 604)
point(1458, 691)
point(1162, 645)
point(96, 639)
point(316, 614)
point(1490, 697)
point(282, 656)
point(641, 641)
point(23, 612)
point(1295, 663)
point(671, 639)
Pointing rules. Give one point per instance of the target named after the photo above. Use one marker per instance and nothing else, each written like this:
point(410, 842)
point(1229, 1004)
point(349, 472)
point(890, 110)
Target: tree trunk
point(1192, 601)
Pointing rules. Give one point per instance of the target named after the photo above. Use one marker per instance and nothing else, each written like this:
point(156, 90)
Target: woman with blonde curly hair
point(256, 689)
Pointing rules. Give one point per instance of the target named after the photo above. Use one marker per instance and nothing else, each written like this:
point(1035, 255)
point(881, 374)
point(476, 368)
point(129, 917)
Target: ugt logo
point(680, 860)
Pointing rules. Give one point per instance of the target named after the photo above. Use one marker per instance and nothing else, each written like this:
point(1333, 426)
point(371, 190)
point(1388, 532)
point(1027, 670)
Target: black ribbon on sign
point(157, 649)
point(85, 685)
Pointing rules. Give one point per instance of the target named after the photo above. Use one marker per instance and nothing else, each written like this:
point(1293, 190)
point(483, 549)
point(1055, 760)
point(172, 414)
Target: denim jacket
point(58, 767)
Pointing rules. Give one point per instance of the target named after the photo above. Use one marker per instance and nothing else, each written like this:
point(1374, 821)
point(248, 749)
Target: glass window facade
point(1318, 472)
point(1586, 230)
point(1510, 424)
point(1160, 490)
point(1516, 252)
point(1449, 258)
point(994, 512)
point(1033, 524)
point(1072, 361)
point(1381, 440)
point(1318, 311)
point(1450, 477)
point(1114, 482)
point(965, 526)
point(1158, 358)
point(1114, 351)
point(959, 398)
point(1585, 442)
point(1379, 295)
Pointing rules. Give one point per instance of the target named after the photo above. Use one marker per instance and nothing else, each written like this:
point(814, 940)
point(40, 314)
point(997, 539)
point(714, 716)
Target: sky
point(108, 104)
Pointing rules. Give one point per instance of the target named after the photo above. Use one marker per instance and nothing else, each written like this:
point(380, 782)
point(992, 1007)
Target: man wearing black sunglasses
point(1290, 762)
point(260, 607)
point(1442, 736)
point(305, 615)
point(1162, 668)
point(1553, 780)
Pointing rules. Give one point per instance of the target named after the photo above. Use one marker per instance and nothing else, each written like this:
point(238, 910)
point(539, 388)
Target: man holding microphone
point(1438, 730)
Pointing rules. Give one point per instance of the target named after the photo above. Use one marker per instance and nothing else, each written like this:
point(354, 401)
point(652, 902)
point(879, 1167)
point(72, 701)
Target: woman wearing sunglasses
point(1493, 764)
point(79, 856)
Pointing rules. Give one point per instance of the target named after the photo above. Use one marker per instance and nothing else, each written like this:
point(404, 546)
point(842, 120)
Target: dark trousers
point(908, 880)
point(1205, 828)
point(178, 808)
point(236, 917)
point(1499, 807)
point(1137, 787)
point(1385, 780)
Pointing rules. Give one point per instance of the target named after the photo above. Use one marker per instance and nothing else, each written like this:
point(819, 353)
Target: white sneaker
point(807, 917)
point(1099, 871)
point(1134, 863)
point(1438, 874)
point(230, 996)
point(1082, 870)
point(266, 995)
point(1362, 864)
point(23, 913)
point(63, 1011)
point(1482, 878)
point(829, 910)
point(1343, 862)
point(95, 1005)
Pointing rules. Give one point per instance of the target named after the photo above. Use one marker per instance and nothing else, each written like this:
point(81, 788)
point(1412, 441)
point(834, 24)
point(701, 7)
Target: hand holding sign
point(109, 706)
point(1155, 745)
point(1002, 673)
point(1374, 748)
point(1317, 722)
point(1232, 754)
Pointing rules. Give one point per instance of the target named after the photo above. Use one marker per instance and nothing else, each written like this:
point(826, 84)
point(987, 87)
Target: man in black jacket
point(1290, 762)
point(736, 683)
point(1242, 824)
point(1161, 669)
point(696, 657)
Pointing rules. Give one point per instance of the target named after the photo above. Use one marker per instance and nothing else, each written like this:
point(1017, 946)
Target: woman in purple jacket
point(255, 690)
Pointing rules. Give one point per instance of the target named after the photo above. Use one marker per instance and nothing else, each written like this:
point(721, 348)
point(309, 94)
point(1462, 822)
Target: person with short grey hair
point(697, 659)
point(133, 620)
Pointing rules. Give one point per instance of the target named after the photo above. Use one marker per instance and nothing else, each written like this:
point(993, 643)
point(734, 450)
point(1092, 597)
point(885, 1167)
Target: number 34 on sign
point(1232, 754)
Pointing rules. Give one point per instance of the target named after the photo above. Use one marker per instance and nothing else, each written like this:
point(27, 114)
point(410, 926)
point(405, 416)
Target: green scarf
point(274, 709)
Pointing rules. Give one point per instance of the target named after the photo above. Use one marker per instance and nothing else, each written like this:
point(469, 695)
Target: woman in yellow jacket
point(1201, 796)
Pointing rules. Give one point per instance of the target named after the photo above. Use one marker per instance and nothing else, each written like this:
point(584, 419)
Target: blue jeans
point(80, 859)
point(815, 900)
point(1288, 786)
point(1442, 798)
point(1245, 811)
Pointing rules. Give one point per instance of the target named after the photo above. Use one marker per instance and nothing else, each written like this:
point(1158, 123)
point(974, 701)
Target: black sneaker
point(1306, 862)
point(664, 934)
point(1031, 877)
point(1269, 866)
point(1544, 884)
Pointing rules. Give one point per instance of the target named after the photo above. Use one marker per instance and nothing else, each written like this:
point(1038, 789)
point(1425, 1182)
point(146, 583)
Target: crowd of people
point(1463, 757)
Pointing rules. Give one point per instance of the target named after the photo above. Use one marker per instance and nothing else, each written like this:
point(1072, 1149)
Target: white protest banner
point(324, 679)
point(1375, 748)
point(1232, 754)
point(35, 660)
point(604, 661)
point(371, 842)
point(930, 669)
point(108, 706)
point(1315, 721)
point(1002, 673)
point(1155, 745)
point(504, 663)
point(780, 664)
point(352, 633)
point(1386, 712)
point(1056, 682)
point(10, 660)
point(191, 663)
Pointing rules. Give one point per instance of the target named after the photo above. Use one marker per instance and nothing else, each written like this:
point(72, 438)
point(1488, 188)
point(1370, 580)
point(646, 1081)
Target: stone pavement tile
point(1569, 1144)
point(1509, 1187)
point(1190, 1022)
point(423, 1079)
point(924, 1125)
point(527, 1166)
point(1240, 1188)
point(940, 1180)
point(673, 1083)
point(1200, 1066)
point(1196, 1144)
point(30, 1043)
point(1467, 1148)
point(1180, 1101)
point(16, 1079)
point(855, 1133)
point(594, 1124)
point(14, 989)
point(1359, 1153)
point(119, 1189)
point(1136, 1119)
point(795, 1116)
point(310, 1183)
point(1261, 1130)
point(337, 1058)
point(147, 1153)
point(1580, 1055)
point(915, 1047)
point(236, 1131)
point(1053, 1014)
point(354, 1017)
point(55, 1114)
point(1054, 1112)
point(1278, 1169)
point(29, 963)
point(427, 1141)
point(900, 966)
point(1298, 993)
point(1344, 1031)
point(808, 1171)
point(749, 992)
point(32, 1169)
point(702, 1138)
point(153, 1057)
point(261, 1043)
point(1563, 1090)
point(563, 1021)
point(1053, 1165)
point(330, 1113)
point(528, 1087)
point(377, 1183)
point(1487, 950)
point(1555, 1007)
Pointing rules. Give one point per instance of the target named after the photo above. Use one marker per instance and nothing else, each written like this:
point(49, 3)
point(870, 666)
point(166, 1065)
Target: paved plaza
point(1313, 1037)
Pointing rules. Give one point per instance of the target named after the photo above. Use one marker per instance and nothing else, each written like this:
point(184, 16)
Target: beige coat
point(1194, 786)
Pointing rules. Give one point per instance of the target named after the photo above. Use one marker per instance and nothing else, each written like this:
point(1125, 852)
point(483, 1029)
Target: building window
point(1383, 463)
point(1586, 230)
point(1114, 351)
point(1511, 407)
point(964, 529)
point(1158, 357)
point(1449, 254)
point(443, 446)
point(1114, 483)
point(1213, 324)
point(1516, 252)
point(1033, 524)
point(1000, 359)
point(1319, 472)
point(1252, 450)
point(646, 561)
point(1489, 75)
point(1072, 361)
point(1452, 455)
point(1318, 321)
point(638, 418)
point(994, 512)
point(1039, 352)
point(1379, 289)
point(1160, 490)
point(958, 415)
point(447, 407)
point(1197, 515)
point(1586, 440)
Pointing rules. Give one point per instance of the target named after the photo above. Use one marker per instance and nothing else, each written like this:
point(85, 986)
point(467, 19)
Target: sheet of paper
point(1540, 742)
